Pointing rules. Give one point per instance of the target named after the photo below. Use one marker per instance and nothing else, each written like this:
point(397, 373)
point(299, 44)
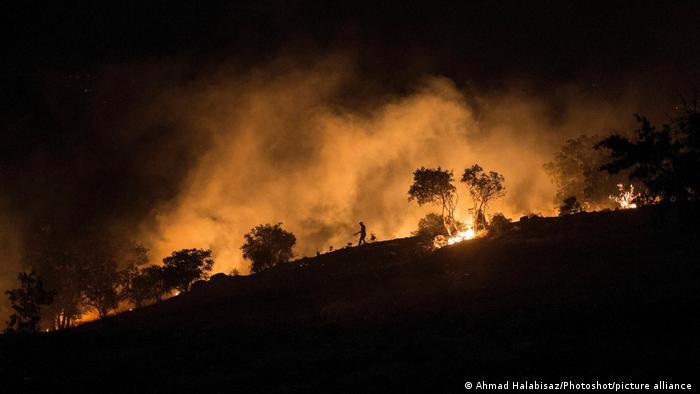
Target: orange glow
point(625, 198)
point(441, 241)
point(321, 169)
point(91, 315)
point(462, 236)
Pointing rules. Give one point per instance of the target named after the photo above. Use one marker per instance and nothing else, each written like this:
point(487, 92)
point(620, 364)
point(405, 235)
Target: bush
point(499, 224)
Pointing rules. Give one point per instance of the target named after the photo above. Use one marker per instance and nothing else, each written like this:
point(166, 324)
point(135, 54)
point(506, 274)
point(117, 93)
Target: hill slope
point(606, 295)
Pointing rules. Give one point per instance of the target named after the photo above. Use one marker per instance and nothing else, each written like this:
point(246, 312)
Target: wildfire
point(88, 316)
point(625, 198)
point(460, 236)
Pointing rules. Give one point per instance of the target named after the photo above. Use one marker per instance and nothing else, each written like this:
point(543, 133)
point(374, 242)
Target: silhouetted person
point(363, 234)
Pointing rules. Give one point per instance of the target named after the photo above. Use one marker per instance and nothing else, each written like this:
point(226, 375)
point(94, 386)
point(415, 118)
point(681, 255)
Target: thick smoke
point(174, 156)
point(284, 148)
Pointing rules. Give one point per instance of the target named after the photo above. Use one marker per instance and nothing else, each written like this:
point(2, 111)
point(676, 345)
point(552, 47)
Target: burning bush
point(625, 199)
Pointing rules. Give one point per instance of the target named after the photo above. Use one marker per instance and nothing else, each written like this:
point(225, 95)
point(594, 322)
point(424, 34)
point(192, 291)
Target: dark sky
point(479, 42)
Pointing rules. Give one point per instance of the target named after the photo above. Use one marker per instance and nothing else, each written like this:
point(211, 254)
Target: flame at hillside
point(462, 236)
point(626, 197)
point(441, 241)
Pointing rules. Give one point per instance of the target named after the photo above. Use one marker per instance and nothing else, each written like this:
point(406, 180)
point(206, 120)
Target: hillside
point(592, 295)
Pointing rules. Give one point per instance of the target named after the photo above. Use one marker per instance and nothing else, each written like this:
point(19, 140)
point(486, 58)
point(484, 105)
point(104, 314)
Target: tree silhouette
point(144, 285)
point(665, 160)
point(483, 188)
point(575, 171)
point(499, 225)
point(434, 186)
point(64, 272)
point(185, 266)
point(103, 286)
point(268, 245)
point(430, 226)
point(570, 205)
point(26, 303)
point(81, 269)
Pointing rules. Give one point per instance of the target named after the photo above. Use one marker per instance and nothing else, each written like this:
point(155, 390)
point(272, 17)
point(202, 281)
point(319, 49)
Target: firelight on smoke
point(625, 198)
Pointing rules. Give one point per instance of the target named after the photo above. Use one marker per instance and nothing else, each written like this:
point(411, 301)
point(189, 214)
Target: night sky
point(470, 42)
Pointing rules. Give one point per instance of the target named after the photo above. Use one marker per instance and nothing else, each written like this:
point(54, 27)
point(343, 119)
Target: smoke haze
point(282, 146)
point(175, 157)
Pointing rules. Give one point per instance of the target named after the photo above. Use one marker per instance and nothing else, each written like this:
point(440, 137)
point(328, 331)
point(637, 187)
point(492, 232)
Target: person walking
point(363, 234)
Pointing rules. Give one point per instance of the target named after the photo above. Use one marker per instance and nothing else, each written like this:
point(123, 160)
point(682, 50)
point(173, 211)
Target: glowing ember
point(625, 198)
point(460, 236)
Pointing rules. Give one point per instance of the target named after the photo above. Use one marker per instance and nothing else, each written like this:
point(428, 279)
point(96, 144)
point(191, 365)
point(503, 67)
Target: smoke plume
point(174, 155)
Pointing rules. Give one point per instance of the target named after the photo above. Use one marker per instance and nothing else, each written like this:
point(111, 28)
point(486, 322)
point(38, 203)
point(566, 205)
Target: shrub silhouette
point(499, 224)
point(185, 266)
point(268, 245)
point(430, 226)
point(26, 303)
point(570, 205)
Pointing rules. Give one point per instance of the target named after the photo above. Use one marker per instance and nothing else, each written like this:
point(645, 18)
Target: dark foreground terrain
point(609, 295)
